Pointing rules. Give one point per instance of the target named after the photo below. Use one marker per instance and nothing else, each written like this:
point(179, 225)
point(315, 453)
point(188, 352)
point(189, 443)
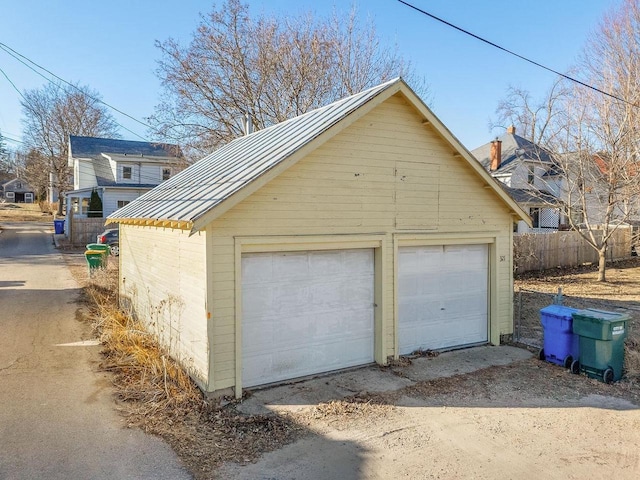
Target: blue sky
point(109, 46)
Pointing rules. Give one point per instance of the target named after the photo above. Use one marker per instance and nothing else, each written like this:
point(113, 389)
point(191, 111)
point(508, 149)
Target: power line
point(12, 84)
point(12, 139)
point(16, 54)
point(510, 52)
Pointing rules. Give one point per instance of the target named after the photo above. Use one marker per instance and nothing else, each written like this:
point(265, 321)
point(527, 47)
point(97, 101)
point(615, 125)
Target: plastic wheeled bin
point(601, 335)
point(58, 226)
point(104, 249)
point(95, 259)
point(560, 344)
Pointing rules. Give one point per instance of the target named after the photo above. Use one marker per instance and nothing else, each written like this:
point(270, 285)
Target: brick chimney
point(496, 154)
point(511, 130)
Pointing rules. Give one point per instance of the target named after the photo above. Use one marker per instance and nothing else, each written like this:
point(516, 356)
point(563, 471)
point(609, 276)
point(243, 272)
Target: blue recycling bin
point(58, 226)
point(561, 346)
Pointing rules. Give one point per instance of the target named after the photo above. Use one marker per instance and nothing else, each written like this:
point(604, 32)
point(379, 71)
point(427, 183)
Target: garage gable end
point(212, 186)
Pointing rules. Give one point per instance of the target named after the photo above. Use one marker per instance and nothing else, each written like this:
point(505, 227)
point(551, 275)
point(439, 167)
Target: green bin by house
point(100, 247)
point(95, 259)
point(601, 335)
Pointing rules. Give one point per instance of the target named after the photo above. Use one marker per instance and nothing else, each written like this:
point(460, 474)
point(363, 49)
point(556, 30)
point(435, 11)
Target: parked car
point(111, 237)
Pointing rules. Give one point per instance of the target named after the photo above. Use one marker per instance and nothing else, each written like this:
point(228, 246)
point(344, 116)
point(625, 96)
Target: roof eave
point(147, 222)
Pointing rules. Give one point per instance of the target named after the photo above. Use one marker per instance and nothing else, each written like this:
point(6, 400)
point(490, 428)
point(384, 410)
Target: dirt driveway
point(522, 419)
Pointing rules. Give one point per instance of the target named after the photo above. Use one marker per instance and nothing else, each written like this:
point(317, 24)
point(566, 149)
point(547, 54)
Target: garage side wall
point(387, 175)
point(174, 309)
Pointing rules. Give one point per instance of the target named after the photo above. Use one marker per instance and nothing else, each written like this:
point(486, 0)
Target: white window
point(122, 203)
point(166, 174)
point(127, 173)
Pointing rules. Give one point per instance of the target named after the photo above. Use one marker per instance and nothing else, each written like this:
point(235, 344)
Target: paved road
point(57, 417)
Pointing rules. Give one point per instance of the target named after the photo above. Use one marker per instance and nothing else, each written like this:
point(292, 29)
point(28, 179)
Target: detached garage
point(349, 235)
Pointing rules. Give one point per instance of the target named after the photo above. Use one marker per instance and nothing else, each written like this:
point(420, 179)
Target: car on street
point(111, 237)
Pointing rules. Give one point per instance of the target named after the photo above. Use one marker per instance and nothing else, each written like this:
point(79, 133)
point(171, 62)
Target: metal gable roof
point(92, 147)
point(194, 197)
point(195, 191)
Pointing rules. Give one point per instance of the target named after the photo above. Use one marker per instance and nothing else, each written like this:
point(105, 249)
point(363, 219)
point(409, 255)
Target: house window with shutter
point(127, 173)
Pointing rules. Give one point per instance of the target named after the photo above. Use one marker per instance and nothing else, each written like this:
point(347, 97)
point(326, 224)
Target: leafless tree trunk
point(271, 68)
point(595, 137)
point(51, 114)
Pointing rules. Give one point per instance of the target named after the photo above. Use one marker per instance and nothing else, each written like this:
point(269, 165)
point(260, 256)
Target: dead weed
point(360, 405)
point(158, 396)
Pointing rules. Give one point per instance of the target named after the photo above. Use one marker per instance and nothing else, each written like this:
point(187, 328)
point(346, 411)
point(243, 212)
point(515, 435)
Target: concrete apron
point(374, 379)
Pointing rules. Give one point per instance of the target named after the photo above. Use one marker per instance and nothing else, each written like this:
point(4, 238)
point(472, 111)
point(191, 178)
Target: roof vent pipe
point(248, 124)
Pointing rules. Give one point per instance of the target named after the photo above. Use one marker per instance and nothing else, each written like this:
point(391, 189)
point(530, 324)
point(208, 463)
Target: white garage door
point(442, 296)
point(305, 313)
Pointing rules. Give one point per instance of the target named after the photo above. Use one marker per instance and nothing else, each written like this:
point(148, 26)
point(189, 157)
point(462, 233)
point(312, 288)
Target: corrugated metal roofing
point(92, 147)
point(195, 191)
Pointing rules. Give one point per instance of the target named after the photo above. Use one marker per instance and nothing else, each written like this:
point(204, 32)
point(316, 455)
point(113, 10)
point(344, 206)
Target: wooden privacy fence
point(539, 251)
point(84, 230)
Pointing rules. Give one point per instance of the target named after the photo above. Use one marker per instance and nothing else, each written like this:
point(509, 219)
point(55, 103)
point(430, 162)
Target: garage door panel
point(256, 270)
point(442, 296)
point(261, 301)
point(326, 263)
point(313, 314)
point(358, 262)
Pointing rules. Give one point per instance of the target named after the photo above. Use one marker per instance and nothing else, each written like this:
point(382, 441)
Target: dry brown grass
point(632, 357)
point(342, 408)
point(157, 395)
point(145, 376)
point(24, 212)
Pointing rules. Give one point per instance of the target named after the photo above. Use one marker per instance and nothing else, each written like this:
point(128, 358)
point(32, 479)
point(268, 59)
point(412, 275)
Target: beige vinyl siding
point(175, 307)
point(349, 186)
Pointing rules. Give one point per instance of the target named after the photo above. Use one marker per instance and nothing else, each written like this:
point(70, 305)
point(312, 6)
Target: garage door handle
point(442, 308)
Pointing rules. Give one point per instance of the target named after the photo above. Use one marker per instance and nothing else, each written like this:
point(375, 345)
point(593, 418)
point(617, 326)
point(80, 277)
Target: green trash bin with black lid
point(601, 336)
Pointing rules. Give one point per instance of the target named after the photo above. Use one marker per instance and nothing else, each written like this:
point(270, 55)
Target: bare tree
point(536, 118)
point(6, 167)
point(51, 114)
point(595, 137)
point(604, 131)
point(268, 68)
point(31, 167)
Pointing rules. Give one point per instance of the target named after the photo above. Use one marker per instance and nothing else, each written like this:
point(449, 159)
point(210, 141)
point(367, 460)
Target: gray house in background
point(17, 191)
point(530, 176)
point(119, 170)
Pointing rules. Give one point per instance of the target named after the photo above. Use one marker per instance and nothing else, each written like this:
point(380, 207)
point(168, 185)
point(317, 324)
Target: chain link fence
point(527, 329)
